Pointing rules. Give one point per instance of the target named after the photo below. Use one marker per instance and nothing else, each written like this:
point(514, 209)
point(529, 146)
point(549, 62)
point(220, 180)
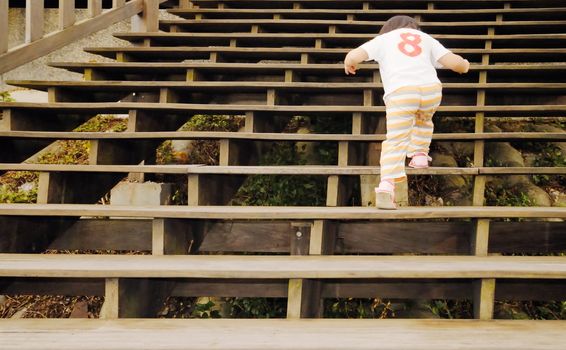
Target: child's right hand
point(350, 68)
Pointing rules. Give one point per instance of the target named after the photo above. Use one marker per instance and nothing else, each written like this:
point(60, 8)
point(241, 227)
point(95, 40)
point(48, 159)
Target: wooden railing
point(144, 13)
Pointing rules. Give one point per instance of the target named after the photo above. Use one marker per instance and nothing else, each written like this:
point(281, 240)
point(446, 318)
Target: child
point(407, 60)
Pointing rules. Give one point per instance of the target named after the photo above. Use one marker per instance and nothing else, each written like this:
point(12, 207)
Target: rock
point(463, 149)
point(3, 299)
point(492, 128)
point(530, 159)
point(537, 195)
point(182, 149)
point(504, 154)
point(443, 160)
point(147, 193)
point(307, 148)
point(558, 198)
point(452, 182)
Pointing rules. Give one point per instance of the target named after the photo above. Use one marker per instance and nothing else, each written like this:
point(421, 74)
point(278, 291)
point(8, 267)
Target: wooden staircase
point(267, 61)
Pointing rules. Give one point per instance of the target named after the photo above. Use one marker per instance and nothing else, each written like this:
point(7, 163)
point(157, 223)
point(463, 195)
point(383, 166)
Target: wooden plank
point(288, 86)
point(148, 20)
point(18, 56)
point(54, 286)
point(257, 134)
point(4, 9)
point(244, 236)
point(502, 111)
point(480, 238)
point(294, 296)
point(231, 288)
point(212, 189)
point(163, 169)
point(294, 334)
point(527, 237)
point(34, 20)
point(170, 237)
point(105, 234)
point(484, 298)
point(118, 3)
point(404, 237)
point(133, 298)
point(283, 267)
point(94, 8)
point(296, 213)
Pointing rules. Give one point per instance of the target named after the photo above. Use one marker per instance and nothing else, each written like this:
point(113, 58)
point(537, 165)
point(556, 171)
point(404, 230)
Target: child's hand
point(350, 68)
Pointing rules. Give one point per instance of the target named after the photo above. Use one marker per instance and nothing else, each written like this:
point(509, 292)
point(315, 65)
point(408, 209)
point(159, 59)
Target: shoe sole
point(385, 200)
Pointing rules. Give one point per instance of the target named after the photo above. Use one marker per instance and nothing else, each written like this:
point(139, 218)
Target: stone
point(558, 198)
point(504, 154)
point(537, 195)
point(443, 160)
point(143, 194)
point(308, 149)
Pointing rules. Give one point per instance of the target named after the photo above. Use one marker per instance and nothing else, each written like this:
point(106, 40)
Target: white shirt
point(406, 57)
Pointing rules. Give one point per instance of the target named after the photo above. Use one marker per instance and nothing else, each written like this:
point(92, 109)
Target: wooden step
point(259, 86)
point(348, 40)
point(273, 169)
point(165, 53)
point(374, 13)
point(104, 108)
point(225, 334)
point(296, 213)
point(343, 26)
point(280, 267)
point(219, 135)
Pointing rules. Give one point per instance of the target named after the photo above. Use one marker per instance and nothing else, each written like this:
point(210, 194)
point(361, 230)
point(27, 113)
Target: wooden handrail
point(37, 44)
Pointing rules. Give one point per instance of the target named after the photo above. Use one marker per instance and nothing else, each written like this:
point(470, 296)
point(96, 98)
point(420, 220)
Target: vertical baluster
point(34, 20)
point(66, 13)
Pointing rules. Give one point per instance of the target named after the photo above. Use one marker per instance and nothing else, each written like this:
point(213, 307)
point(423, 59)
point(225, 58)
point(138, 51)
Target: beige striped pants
point(409, 112)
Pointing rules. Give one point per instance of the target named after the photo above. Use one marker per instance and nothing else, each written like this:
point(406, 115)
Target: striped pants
point(409, 126)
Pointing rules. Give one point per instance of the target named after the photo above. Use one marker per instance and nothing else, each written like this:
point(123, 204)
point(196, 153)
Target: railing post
point(3, 26)
point(66, 13)
point(118, 3)
point(94, 8)
point(34, 20)
point(148, 20)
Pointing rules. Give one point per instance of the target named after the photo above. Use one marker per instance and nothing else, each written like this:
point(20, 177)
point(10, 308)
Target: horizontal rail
point(307, 213)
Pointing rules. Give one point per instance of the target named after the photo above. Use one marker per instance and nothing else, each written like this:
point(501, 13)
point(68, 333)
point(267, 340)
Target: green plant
point(6, 97)
point(358, 308)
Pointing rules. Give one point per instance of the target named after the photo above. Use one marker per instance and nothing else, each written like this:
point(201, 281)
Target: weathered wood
point(484, 298)
point(295, 334)
point(231, 288)
point(18, 56)
point(242, 236)
point(134, 298)
point(34, 20)
point(404, 237)
point(94, 8)
point(283, 267)
point(267, 136)
point(81, 108)
point(170, 237)
point(507, 289)
point(4, 26)
point(118, 3)
point(480, 238)
point(295, 213)
point(339, 189)
point(105, 234)
point(54, 286)
point(353, 237)
point(32, 235)
point(148, 20)
point(212, 189)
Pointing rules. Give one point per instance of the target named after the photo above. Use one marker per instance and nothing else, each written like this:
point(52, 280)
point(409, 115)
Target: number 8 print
point(412, 40)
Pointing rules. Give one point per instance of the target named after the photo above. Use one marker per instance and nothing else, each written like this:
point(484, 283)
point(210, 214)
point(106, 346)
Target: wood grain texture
point(285, 267)
point(233, 212)
point(4, 26)
point(294, 334)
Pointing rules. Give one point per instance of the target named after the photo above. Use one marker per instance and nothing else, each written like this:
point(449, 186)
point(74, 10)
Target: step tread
point(273, 169)
point(216, 135)
point(116, 107)
point(260, 85)
point(257, 212)
point(280, 267)
point(311, 334)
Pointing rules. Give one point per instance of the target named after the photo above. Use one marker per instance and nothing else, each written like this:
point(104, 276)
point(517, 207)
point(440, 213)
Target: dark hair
point(397, 22)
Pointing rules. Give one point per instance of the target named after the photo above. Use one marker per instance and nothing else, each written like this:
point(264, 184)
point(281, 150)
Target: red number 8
point(413, 40)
